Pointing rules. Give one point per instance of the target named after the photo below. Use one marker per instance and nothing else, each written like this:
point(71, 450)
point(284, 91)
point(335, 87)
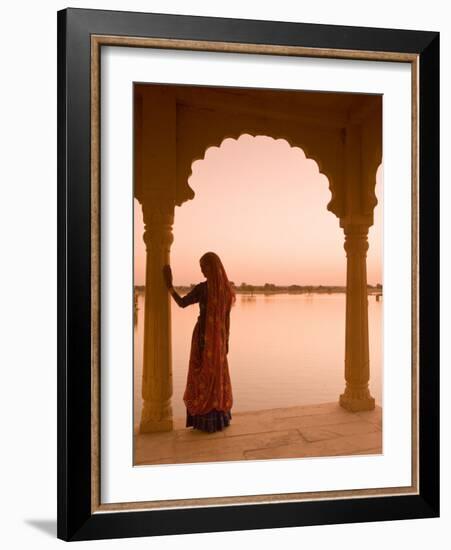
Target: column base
point(151, 426)
point(357, 400)
point(156, 418)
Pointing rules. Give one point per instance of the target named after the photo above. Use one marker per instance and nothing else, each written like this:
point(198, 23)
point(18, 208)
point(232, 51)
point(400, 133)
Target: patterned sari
point(208, 394)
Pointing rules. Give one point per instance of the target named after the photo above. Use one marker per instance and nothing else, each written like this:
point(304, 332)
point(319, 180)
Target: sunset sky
point(261, 205)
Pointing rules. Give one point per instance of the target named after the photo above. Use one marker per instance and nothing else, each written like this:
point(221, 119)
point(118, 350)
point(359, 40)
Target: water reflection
point(285, 350)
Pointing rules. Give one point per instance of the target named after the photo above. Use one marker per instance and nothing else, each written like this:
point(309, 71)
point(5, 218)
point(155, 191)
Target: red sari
point(208, 394)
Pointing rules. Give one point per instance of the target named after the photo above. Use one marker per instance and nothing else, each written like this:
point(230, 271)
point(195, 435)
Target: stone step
point(292, 432)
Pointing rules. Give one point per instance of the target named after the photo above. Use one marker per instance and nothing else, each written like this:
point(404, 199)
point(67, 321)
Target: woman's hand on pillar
point(167, 276)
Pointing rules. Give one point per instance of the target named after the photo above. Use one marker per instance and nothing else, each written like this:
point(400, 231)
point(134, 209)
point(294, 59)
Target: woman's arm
point(191, 298)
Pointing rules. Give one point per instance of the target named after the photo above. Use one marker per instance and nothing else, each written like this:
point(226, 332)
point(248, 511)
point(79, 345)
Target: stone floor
point(292, 432)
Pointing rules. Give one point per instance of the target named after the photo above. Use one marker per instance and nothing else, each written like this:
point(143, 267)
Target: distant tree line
point(273, 288)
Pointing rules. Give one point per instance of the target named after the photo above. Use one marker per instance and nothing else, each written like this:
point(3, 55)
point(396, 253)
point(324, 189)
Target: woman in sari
point(208, 394)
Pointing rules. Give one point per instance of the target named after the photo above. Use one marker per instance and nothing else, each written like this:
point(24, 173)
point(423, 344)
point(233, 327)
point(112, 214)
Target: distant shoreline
point(274, 289)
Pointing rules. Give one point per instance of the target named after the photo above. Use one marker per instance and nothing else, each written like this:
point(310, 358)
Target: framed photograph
point(248, 274)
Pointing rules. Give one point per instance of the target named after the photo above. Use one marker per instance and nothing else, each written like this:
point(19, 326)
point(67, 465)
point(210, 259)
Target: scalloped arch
point(371, 199)
point(185, 192)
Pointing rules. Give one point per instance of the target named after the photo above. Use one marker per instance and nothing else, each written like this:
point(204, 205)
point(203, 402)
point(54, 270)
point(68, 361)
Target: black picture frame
point(75, 518)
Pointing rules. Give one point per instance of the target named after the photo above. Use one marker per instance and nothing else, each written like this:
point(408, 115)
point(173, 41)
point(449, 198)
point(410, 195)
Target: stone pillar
point(356, 396)
point(157, 359)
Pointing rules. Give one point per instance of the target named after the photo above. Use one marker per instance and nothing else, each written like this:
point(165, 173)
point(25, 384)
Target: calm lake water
point(284, 350)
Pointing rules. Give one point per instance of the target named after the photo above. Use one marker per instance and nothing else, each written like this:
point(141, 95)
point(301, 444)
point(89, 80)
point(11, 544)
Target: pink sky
point(261, 205)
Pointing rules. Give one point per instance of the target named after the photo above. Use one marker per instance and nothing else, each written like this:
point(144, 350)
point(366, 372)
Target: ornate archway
point(175, 125)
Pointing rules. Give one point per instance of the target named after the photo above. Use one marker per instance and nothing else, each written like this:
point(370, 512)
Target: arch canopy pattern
point(341, 132)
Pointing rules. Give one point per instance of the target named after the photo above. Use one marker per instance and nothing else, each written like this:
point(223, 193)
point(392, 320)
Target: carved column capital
point(158, 229)
point(158, 235)
point(356, 240)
